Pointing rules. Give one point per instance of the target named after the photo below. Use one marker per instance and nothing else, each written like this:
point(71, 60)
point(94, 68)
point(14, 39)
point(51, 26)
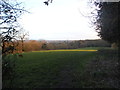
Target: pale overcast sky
point(60, 20)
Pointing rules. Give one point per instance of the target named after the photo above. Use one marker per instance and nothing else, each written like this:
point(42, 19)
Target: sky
point(60, 20)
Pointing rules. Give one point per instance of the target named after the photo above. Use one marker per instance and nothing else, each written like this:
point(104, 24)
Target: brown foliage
point(32, 45)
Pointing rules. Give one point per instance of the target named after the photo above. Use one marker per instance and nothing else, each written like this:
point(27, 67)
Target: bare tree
point(9, 27)
point(23, 35)
point(10, 11)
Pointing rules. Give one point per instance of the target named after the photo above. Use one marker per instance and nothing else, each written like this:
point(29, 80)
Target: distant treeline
point(77, 44)
point(36, 45)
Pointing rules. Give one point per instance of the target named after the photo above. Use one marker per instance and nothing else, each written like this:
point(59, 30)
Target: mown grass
point(66, 50)
point(49, 69)
point(44, 69)
point(80, 49)
point(56, 69)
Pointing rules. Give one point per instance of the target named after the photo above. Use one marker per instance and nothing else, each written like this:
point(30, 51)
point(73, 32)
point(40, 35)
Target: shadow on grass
point(102, 71)
point(68, 70)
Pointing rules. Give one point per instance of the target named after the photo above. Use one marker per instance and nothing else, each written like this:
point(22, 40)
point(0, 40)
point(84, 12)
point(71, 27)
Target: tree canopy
point(9, 27)
point(10, 11)
point(107, 21)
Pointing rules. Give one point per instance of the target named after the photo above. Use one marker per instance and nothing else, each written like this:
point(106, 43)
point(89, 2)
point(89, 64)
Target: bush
point(8, 68)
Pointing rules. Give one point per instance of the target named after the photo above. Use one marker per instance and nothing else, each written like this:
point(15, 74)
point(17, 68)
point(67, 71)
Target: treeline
point(31, 45)
point(36, 45)
point(74, 44)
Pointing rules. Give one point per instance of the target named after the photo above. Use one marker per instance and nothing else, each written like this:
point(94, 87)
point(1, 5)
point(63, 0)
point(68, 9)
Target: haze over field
point(60, 20)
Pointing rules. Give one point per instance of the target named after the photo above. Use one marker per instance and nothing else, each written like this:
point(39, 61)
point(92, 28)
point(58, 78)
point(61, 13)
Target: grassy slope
point(67, 69)
point(51, 69)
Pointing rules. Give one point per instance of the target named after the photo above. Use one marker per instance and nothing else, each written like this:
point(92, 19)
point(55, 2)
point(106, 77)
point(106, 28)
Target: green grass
point(52, 69)
point(79, 49)
point(42, 69)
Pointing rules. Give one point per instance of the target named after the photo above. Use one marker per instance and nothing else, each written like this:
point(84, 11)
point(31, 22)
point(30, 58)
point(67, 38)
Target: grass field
point(53, 69)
